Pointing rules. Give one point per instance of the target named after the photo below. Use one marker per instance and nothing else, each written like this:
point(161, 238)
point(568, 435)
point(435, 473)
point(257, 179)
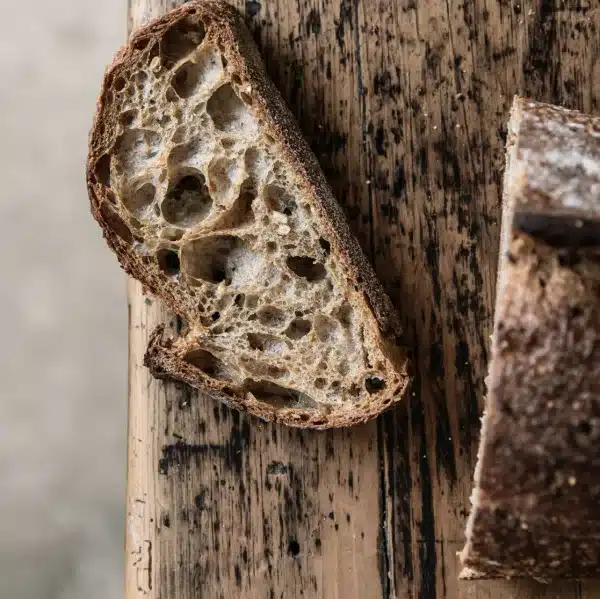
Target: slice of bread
point(536, 503)
point(209, 195)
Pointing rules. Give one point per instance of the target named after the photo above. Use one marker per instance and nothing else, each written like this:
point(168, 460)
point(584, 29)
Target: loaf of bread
point(209, 195)
point(536, 503)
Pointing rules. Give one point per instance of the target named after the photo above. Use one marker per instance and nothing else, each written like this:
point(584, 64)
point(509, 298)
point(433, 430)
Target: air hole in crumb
point(203, 71)
point(251, 302)
point(138, 200)
point(177, 137)
point(215, 316)
point(246, 98)
point(102, 170)
point(298, 328)
point(111, 197)
point(137, 148)
point(325, 327)
point(267, 343)
point(325, 245)
point(119, 83)
point(344, 315)
point(156, 210)
point(320, 383)
point(236, 79)
point(307, 268)
point(168, 262)
point(209, 364)
point(187, 201)
point(180, 40)
point(186, 152)
point(256, 162)
point(227, 142)
point(153, 53)
point(279, 397)
point(259, 368)
point(239, 300)
point(271, 246)
point(354, 390)
point(171, 233)
point(343, 368)
point(171, 95)
point(229, 113)
point(128, 117)
point(222, 171)
point(271, 316)
point(373, 384)
point(222, 258)
point(335, 385)
point(141, 76)
point(141, 43)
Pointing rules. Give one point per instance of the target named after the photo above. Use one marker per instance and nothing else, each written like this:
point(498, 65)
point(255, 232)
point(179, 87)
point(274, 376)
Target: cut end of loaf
point(192, 177)
point(536, 481)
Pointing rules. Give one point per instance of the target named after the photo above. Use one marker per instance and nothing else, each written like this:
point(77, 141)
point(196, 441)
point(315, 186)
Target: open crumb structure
point(210, 197)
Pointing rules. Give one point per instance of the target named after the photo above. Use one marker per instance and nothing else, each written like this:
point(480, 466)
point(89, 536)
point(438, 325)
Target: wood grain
point(405, 105)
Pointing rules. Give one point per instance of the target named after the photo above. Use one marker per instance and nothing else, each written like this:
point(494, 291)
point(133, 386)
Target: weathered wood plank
point(440, 77)
point(405, 104)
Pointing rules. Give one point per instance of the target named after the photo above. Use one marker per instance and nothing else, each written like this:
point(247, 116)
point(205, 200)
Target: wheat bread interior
point(209, 195)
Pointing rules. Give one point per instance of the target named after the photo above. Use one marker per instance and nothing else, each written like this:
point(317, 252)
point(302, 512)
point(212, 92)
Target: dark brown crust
point(536, 505)
point(238, 47)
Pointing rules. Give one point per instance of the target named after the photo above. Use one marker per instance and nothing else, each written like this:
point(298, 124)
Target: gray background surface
point(63, 382)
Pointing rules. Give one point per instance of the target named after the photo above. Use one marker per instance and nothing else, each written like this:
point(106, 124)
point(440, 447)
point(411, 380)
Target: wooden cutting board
point(405, 104)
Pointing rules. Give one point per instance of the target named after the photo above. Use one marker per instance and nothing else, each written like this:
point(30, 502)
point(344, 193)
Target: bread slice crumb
point(209, 195)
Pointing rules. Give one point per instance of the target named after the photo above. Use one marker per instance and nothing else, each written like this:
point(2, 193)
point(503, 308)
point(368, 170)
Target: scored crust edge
point(240, 50)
